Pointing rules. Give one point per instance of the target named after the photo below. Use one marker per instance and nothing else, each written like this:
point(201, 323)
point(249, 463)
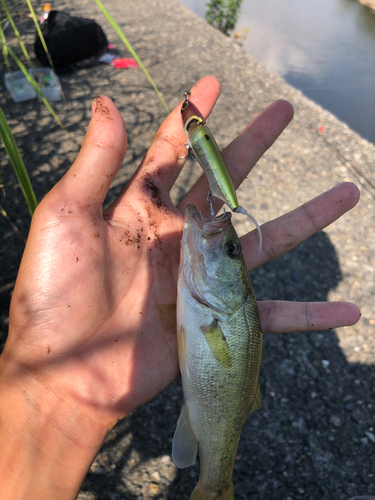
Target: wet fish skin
point(220, 351)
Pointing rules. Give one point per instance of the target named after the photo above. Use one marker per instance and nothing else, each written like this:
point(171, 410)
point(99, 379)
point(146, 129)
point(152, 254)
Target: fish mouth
point(199, 238)
point(208, 229)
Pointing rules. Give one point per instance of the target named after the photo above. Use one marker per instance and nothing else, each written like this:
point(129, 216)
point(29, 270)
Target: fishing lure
point(202, 145)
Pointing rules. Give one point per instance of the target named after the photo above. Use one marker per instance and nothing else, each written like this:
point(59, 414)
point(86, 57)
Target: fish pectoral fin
point(182, 352)
point(257, 404)
point(185, 444)
point(217, 343)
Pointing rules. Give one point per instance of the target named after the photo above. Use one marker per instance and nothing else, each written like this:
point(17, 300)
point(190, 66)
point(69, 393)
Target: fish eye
point(233, 248)
point(185, 104)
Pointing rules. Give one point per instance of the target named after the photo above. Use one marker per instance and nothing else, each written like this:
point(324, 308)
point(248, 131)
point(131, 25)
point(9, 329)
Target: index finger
point(102, 152)
point(161, 164)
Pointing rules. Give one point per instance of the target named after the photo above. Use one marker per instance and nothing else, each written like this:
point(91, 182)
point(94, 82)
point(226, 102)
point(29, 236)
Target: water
point(326, 48)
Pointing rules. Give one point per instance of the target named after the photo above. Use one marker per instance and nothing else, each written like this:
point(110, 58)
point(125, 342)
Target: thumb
point(102, 152)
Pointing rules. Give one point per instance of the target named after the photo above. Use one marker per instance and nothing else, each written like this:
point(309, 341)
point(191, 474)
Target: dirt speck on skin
point(153, 225)
point(160, 173)
point(152, 189)
point(149, 160)
point(131, 239)
point(101, 108)
point(161, 136)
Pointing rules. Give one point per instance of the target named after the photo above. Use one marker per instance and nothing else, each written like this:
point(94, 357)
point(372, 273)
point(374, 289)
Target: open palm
point(92, 315)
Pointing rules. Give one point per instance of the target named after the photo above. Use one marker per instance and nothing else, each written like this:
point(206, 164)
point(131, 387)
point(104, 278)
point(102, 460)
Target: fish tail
point(201, 493)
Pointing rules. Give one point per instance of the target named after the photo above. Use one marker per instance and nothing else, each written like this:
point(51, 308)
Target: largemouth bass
point(219, 350)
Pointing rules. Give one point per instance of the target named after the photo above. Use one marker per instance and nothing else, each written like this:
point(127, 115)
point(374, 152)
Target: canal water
point(325, 48)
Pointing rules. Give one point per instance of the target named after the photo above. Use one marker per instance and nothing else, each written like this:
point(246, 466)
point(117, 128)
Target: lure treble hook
point(211, 201)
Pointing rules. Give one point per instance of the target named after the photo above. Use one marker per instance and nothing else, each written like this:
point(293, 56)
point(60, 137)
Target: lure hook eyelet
point(185, 104)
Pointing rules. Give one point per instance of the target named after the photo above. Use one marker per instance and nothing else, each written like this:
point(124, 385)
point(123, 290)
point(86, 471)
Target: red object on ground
point(321, 129)
point(121, 62)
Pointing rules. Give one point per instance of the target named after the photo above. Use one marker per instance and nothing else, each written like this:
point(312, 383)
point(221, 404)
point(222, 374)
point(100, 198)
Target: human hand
point(88, 338)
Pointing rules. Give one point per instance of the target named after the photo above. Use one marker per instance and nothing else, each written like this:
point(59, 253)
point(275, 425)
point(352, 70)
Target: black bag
point(69, 40)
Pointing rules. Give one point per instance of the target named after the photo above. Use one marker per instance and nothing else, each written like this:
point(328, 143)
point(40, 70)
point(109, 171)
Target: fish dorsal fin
point(257, 404)
point(185, 444)
point(217, 343)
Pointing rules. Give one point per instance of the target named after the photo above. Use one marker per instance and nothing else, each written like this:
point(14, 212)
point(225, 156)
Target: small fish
point(220, 348)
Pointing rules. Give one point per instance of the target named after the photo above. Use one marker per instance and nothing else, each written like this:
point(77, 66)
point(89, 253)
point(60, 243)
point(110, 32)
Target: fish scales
point(220, 351)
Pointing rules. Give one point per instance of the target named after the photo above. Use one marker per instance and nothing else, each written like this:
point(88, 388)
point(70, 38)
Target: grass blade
point(11, 223)
point(5, 50)
point(10, 19)
point(40, 34)
point(17, 163)
point(131, 50)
